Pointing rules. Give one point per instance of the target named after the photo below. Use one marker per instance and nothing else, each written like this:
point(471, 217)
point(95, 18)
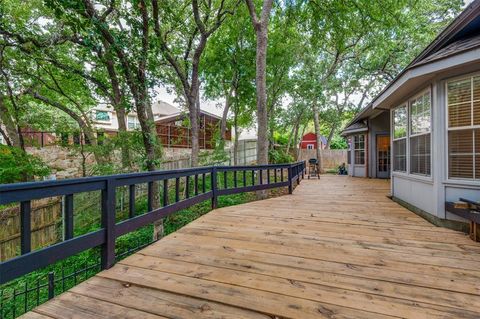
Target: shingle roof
point(452, 49)
point(355, 127)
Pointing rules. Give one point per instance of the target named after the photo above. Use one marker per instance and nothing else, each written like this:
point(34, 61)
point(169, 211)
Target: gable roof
point(164, 108)
point(323, 139)
point(459, 36)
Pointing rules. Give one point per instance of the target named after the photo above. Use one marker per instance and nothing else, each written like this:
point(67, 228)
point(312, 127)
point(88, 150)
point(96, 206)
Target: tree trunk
point(330, 136)
point(261, 86)
point(122, 132)
point(298, 148)
point(236, 137)
point(194, 129)
point(10, 126)
point(223, 122)
point(316, 122)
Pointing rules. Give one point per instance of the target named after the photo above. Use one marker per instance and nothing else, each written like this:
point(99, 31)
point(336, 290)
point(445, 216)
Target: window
point(463, 107)
point(310, 146)
point(359, 147)
point(133, 122)
point(420, 123)
point(102, 116)
point(400, 139)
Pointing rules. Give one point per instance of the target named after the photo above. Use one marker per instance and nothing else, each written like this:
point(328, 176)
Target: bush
point(280, 157)
point(18, 166)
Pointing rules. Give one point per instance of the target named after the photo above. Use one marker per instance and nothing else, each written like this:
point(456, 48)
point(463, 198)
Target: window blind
point(463, 137)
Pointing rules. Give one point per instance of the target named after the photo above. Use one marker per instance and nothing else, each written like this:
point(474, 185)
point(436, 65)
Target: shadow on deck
point(336, 248)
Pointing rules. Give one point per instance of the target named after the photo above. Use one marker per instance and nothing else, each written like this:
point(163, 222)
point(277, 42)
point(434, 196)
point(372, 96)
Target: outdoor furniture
point(469, 210)
point(313, 168)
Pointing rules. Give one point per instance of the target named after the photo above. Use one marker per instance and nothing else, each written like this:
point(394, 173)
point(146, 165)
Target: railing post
point(303, 169)
point(108, 223)
point(214, 187)
point(290, 178)
point(25, 227)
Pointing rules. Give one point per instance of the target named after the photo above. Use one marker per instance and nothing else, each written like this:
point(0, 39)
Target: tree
point(260, 25)
point(182, 29)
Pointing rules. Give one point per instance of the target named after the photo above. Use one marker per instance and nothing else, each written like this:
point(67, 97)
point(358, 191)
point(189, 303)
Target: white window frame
point(459, 128)
point(409, 129)
point(364, 149)
point(136, 122)
point(109, 121)
point(408, 135)
point(310, 147)
point(392, 160)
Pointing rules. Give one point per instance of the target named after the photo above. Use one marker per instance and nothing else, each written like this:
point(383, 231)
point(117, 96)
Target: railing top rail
point(110, 230)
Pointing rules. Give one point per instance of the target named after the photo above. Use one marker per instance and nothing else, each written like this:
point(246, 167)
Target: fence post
point(214, 187)
point(290, 177)
point(108, 223)
point(303, 169)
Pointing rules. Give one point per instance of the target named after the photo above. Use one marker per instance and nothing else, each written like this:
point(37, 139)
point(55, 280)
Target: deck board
point(336, 248)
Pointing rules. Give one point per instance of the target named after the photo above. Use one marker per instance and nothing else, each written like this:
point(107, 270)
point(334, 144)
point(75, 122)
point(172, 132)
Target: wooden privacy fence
point(331, 159)
point(203, 183)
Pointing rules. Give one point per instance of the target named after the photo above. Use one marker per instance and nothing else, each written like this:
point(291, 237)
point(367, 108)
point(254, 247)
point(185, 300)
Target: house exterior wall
point(429, 193)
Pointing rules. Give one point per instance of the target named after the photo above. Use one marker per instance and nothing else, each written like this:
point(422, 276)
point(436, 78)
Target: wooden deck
point(336, 248)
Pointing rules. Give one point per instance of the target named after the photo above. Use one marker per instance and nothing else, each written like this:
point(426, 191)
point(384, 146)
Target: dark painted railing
point(245, 179)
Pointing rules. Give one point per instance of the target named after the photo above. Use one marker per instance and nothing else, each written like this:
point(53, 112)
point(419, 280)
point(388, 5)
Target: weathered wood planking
point(336, 248)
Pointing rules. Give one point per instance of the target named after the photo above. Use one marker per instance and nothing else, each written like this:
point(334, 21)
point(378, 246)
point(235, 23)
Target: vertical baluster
point(196, 184)
point(25, 227)
point(68, 227)
point(281, 174)
point(187, 186)
point(204, 187)
point(244, 178)
point(177, 189)
point(235, 179)
point(260, 179)
point(268, 176)
point(275, 175)
point(165, 192)
point(150, 196)
point(131, 201)
point(225, 185)
point(253, 177)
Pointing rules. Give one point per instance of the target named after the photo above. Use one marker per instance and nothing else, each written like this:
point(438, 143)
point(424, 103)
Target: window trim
point(136, 122)
point(406, 104)
point(409, 135)
point(392, 160)
point(109, 121)
point(472, 127)
point(364, 149)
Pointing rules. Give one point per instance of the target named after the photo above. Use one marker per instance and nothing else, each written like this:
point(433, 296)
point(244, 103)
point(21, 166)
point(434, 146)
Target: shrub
point(18, 166)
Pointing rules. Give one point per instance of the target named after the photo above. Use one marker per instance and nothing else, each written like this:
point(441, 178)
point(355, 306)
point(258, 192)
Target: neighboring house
point(174, 133)
point(106, 118)
point(309, 142)
point(423, 129)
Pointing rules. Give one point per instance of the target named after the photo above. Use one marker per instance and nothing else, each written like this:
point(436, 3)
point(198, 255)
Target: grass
point(26, 292)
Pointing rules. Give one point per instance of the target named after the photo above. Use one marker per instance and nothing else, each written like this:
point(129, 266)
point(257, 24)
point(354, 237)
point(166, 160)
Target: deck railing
point(245, 179)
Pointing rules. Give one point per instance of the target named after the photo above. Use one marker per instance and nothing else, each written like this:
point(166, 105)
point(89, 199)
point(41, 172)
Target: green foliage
point(17, 166)
point(338, 143)
point(279, 156)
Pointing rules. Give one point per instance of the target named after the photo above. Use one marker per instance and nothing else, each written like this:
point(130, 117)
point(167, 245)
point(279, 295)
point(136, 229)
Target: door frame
point(379, 174)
